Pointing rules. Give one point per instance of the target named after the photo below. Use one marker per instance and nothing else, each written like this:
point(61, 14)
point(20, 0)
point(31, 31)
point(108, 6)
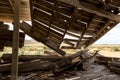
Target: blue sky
point(112, 37)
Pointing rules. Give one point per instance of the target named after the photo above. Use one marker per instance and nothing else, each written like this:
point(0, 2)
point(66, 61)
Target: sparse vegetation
point(39, 50)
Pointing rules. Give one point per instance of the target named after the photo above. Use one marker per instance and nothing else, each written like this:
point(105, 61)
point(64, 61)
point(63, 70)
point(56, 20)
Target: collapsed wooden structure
point(56, 22)
point(75, 23)
point(112, 62)
point(28, 63)
point(59, 24)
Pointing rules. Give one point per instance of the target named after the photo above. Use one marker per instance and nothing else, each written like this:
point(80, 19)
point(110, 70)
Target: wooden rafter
point(92, 9)
point(85, 31)
point(101, 32)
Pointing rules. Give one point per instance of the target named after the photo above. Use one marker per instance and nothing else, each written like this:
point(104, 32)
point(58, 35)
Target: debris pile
point(112, 62)
point(81, 65)
point(54, 63)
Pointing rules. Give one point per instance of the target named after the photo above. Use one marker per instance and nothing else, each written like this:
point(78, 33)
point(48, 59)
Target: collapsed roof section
point(75, 23)
point(66, 24)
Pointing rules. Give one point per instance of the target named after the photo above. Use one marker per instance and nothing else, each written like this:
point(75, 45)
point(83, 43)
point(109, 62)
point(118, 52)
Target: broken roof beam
point(92, 9)
point(101, 32)
point(27, 29)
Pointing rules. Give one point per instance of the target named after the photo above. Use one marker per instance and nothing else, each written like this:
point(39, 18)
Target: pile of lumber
point(112, 62)
point(54, 63)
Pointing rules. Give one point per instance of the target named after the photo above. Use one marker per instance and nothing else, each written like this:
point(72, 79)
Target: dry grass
point(35, 48)
point(107, 50)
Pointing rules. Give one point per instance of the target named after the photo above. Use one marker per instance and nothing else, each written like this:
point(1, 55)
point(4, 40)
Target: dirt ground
point(107, 50)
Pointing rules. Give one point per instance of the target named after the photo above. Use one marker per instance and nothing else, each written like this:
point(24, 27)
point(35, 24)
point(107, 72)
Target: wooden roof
point(7, 9)
point(104, 7)
point(76, 23)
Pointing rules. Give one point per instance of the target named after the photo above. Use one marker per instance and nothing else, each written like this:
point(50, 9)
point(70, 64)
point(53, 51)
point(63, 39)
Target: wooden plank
point(116, 64)
point(27, 29)
point(57, 21)
point(72, 34)
point(24, 58)
point(61, 16)
point(6, 10)
point(77, 54)
point(92, 9)
point(67, 47)
point(4, 5)
point(67, 61)
point(15, 50)
point(69, 43)
point(6, 17)
point(28, 66)
point(42, 7)
point(4, 1)
point(66, 9)
point(47, 3)
point(115, 69)
point(107, 58)
point(53, 35)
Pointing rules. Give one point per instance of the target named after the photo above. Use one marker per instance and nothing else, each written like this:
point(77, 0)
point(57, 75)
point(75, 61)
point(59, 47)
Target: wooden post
point(14, 69)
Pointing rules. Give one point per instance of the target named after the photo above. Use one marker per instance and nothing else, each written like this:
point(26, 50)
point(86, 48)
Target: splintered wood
point(78, 66)
point(40, 62)
point(112, 62)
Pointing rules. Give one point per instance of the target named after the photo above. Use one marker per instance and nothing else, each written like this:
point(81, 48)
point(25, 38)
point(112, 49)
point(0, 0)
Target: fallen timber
point(27, 66)
point(37, 69)
point(39, 63)
point(107, 58)
point(68, 61)
point(115, 69)
point(24, 58)
point(112, 62)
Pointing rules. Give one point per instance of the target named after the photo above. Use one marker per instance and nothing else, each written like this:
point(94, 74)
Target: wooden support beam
point(24, 58)
point(15, 50)
point(84, 31)
point(28, 66)
point(92, 9)
point(67, 47)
